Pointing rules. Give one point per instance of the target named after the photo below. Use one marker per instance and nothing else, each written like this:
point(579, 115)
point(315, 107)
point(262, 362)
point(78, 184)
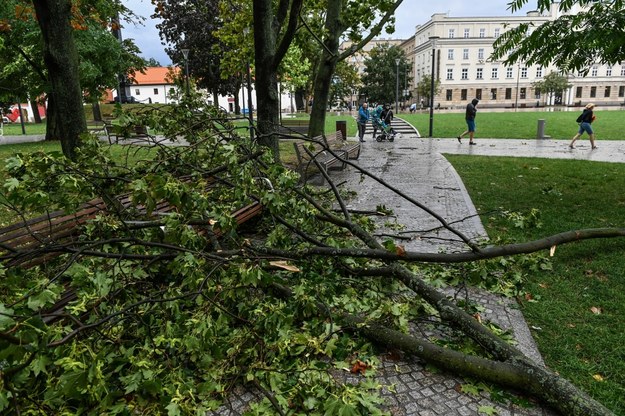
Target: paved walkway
point(416, 167)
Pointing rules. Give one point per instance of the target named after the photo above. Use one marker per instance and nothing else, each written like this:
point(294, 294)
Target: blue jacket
point(363, 115)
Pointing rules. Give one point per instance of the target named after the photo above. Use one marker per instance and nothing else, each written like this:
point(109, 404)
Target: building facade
point(462, 64)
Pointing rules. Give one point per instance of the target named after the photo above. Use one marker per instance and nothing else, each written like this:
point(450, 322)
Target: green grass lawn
point(610, 125)
point(578, 313)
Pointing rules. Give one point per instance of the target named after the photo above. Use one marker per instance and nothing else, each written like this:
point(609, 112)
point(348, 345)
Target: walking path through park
point(416, 167)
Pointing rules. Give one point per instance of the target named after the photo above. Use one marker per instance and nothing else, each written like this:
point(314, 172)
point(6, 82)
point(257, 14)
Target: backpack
point(579, 119)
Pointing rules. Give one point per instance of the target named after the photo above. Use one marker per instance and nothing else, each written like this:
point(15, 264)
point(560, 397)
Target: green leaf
point(5, 319)
point(173, 409)
point(487, 410)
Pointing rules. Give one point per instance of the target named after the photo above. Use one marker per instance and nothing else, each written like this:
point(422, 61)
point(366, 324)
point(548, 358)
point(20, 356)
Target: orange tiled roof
point(154, 75)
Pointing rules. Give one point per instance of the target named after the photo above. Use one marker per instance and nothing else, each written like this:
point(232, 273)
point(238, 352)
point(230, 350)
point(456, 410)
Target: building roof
point(157, 75)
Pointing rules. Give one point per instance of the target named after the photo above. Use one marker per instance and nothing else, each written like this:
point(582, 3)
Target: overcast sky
point(408, 15)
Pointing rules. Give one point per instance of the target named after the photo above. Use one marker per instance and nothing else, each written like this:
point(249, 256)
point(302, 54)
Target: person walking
point(470, 119)
point(585, 120)
point(363, 117)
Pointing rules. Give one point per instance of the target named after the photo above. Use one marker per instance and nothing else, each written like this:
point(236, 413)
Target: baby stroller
point(387, 132)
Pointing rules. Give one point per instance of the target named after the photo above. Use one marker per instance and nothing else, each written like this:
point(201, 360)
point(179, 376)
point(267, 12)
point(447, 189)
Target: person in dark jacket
point(470, 119)
point(585, 121)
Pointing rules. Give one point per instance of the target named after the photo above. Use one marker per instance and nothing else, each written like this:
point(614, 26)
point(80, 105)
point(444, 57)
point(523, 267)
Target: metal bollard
point(540, 133)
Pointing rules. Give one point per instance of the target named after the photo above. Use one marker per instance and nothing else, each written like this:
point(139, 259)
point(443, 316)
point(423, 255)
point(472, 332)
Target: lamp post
point(433, 39)
point(516, 98)
point(397, 85)
point(250, 110)
point(185, 53)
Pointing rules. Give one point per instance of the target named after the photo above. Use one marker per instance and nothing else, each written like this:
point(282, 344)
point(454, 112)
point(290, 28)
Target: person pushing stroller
point(381, 119)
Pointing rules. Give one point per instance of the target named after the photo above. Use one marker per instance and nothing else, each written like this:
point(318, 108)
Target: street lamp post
point(516, 98)
point(397, 85)
point(185, 53)
point(433, 39)
point(250, 110)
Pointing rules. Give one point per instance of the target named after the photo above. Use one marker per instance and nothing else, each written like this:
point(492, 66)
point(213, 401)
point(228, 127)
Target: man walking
point(363, 117)
point(470, 119)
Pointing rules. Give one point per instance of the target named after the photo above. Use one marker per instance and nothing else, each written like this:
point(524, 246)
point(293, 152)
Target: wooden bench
point(36, 241)
point(126, 132)
point(295, 125)
point(336, 141)
point(316, 150)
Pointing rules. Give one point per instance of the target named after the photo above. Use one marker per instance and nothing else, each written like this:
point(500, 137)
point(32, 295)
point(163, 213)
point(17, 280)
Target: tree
point(345, 81)
point(589, 32)
point(424, 88)
point(151, 63)
point(349, 19)
point(551, 84)
point(194, 27)
point(381, 69)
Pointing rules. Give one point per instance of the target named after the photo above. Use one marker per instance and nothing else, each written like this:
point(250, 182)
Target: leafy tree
point(345, 20)
point(151, 63)
point(37, 49)
point(553, 83)
point(381, 72)
point(424, 88)
point(593, 31)
point(345, 81)
point(194, 27)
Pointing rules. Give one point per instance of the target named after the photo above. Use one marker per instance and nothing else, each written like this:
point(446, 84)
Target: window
point(539, 72)
point(593, 71)
point(623, 70)
point(448, 94)
point(524, 72)
point(523, 93)
point(537, 94)
point(155, 91)
point(478, 93)
point(465, 54)
point(450, 73)
point(480, 73)
point(493, 93)
point(607, 92)
point(463, 94)
point(451, 33)
point(467, 31)
point(593, 92)
point(465, 73)
point(621, 91)
point(608, 72)
point(480, 53)
point(509, 72)
point(450, 54)
point(578, 92)
point(494, 73)
point(496, 33)
point(482, 33)
point(508, 93)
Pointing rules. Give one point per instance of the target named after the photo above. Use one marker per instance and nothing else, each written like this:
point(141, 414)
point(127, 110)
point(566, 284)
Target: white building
point(465, 70)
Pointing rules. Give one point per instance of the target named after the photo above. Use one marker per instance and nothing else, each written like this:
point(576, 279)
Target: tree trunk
point(325, 69)
point(61, 59)
point(268, 106)
point(35, 106)
point(97, 113)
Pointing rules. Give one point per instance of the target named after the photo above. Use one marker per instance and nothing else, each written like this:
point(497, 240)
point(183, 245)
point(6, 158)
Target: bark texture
point(61, 58)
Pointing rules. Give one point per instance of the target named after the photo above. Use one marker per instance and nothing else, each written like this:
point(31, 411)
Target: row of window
point(523, 93)
point(156, 91)
point(451, 33)
point(522, 73)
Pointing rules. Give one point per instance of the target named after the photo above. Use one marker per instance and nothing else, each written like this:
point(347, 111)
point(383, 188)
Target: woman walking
point(585, 120)
point(363, 117)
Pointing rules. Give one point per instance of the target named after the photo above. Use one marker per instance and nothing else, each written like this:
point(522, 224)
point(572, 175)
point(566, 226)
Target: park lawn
point(577, 315)
point(610, 125)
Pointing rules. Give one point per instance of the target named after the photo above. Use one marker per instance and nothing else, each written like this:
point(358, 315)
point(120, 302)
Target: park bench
point(35, 241)
point(114, 131)
point(336, 141)
point(295, 125)
point(314, 154)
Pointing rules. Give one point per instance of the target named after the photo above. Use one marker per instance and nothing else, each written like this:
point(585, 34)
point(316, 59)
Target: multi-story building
point(465, 70)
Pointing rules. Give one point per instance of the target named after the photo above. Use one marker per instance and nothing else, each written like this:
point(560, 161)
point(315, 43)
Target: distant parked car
point(5, 120)
point(126, 100)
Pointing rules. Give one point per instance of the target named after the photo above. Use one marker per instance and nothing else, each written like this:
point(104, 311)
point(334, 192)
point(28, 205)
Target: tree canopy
point(382, 72)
